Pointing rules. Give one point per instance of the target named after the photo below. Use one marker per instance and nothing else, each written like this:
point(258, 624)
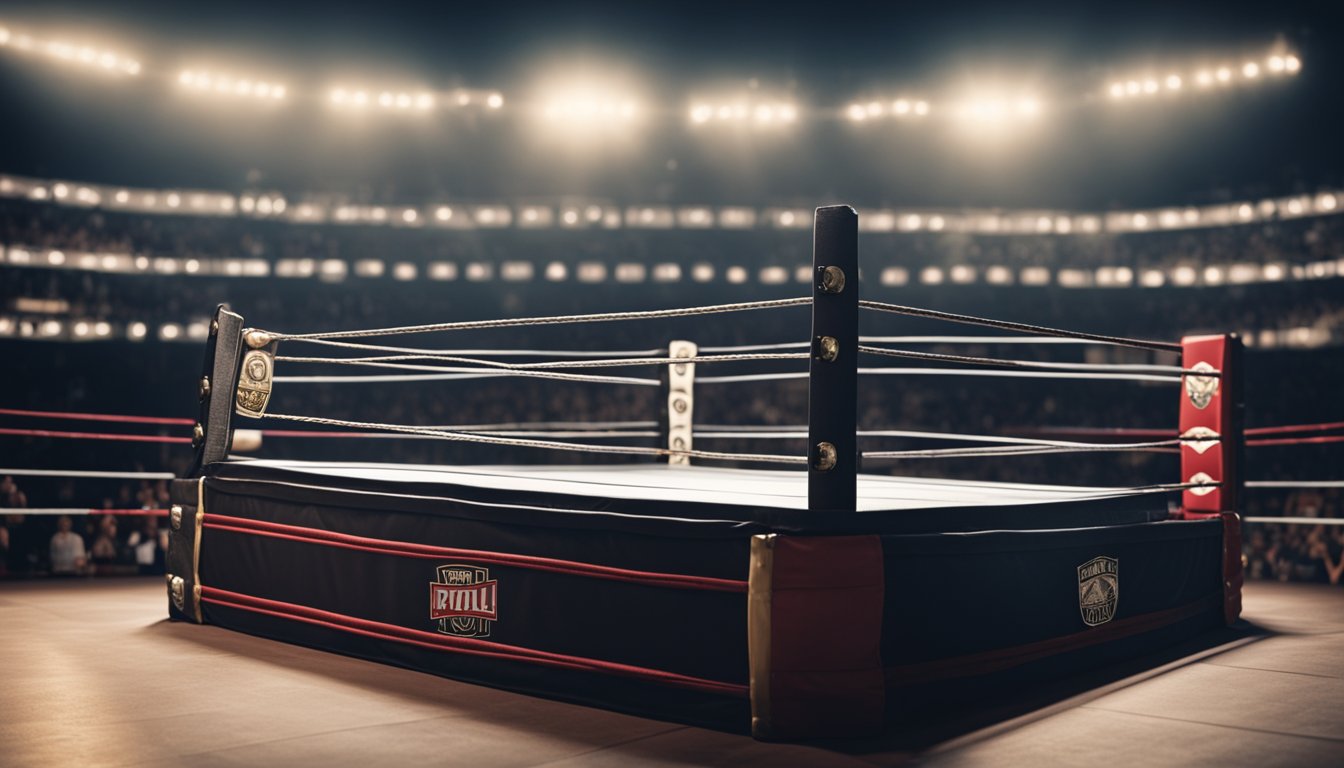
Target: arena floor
point(95, 675)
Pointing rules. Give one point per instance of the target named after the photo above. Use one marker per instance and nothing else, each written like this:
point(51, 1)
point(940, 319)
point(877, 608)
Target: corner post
point(833, 372)
point(212, 435)
point(1213, 448)
point(678, 421)
point(1211, 424)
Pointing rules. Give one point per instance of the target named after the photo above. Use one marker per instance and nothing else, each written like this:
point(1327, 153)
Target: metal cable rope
point(707, 350)
point(551, 365)
point(570, 425)
point(87, 473)
point(1019, 450)
point(946, 372)
point(467, 437)
point(580, 353)
point(1031, 364)
point(1296, 520)
point(800, 432)
point(547, 433)
point(933, 314)
point(410, 377)
point(586, 377)
point(1295, 484)
point(603, 317)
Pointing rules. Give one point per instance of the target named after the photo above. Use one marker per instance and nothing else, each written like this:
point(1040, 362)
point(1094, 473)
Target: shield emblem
point(467, 615)
point(254, 382)
point(1201, 389)
point(1098, 590)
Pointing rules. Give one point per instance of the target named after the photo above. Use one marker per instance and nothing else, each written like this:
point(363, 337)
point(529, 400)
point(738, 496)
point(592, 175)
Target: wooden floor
point(93, 675)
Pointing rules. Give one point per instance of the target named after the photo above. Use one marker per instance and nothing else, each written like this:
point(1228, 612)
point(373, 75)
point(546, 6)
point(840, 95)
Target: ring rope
point(467, 437)
point(96, 417)
point(125, 438)
point(1297, 520)
point(1295, 484)
point(945, 372)
point(603, 317)
point(593, 434)
point(972, 340)
point(707, 350)
point(401, 378)
point(88, 473)
point(1020, 450)
point(568, 425)
point(1119, 431)
point(1291, 428)
point(82, 511)
point(579, 353)
point(492, 371)
point(551, 365)
point(802, 433)
point(1031, 364)
point(879, 306)
point(1261, 443)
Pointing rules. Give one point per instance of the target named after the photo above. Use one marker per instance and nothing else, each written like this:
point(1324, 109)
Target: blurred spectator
point(10, 495)
point(106, 548)
point(67, 549)
point(149, 544)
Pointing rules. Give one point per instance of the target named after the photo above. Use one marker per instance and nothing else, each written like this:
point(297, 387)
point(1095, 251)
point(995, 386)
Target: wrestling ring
point(790, 595)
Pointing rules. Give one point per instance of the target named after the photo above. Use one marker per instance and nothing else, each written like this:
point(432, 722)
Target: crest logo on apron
point(1098, 590)
point(464, 600)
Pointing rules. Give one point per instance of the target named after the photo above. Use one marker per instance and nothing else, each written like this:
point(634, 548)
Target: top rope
point(899, 309)
point(604, 317)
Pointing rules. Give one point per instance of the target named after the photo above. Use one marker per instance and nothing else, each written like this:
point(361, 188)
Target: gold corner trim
point(196, 551)
point(760, 580)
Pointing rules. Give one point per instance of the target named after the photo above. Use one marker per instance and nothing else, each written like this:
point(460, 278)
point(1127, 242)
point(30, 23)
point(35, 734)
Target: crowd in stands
point(150, 378)
point(89, 544)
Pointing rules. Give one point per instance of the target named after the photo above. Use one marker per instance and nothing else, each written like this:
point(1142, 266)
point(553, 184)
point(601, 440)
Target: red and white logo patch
point(464, 601)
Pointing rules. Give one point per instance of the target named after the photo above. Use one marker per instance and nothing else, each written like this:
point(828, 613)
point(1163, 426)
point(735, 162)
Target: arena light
point(891, 276)
point(962, 274)
point(578, 103)
point(516, 271)
point(205, 82)
point(744, 111)
point(591, 272)
point(1034, 276)
point(397, 100)
point(442, 270)
point(993, 111)
point(536, 216)
point(630, 272)
point(1184, 276)
point(492, 216)
point(1276, 64)
point(901, 108)
point(84, 56)
point(366, 268)
point(650, 217)
point(737, 217)
point(666, 273)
